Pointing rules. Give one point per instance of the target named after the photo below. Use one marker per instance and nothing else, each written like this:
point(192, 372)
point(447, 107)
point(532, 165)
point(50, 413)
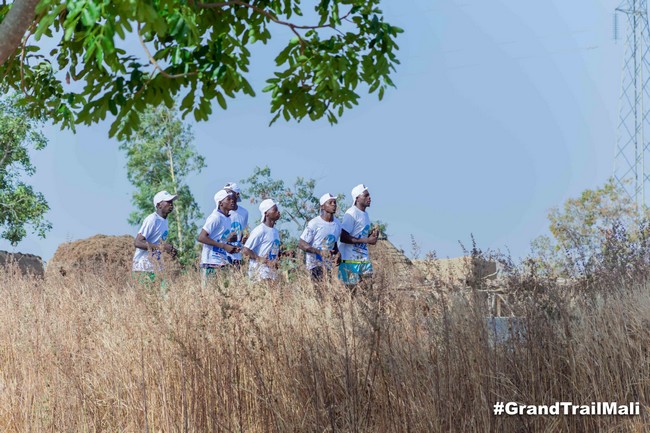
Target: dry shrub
point(99, 355)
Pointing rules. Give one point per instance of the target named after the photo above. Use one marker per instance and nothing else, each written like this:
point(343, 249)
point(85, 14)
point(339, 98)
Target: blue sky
point(503, 109)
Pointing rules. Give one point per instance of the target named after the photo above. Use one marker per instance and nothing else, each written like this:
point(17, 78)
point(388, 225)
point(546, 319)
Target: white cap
point(357, 191)
point(163, 196)
point(232, 186)
point(326, 197)
point(220, 195)
point(265, 206)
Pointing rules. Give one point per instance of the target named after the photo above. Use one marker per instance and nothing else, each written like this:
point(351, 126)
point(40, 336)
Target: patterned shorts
point(351, 271)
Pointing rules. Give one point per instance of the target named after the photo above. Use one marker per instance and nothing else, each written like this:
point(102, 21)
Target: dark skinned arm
point(204, 238)
point(303, 245)
point(251, 254)
point(142, 243)
point(347, 239)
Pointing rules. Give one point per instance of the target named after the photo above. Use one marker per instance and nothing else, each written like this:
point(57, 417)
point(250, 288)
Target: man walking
point(355, 238)
point(238, 223)
point(263, 244)
point(320, 237)
point(215, 236)
point(150, 242)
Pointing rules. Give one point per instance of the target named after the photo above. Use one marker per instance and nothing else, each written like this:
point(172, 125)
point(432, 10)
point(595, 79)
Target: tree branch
point(156, 65)
point(14, 26)
point(294, 27)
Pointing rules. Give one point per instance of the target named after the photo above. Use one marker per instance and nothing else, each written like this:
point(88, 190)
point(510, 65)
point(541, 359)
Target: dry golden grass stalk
point(96, 354)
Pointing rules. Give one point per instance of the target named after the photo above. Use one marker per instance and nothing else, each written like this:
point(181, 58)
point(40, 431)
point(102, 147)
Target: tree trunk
point(178, 210)
point(13, 27)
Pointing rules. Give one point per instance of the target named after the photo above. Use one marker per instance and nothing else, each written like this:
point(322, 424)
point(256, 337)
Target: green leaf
point(221, 100)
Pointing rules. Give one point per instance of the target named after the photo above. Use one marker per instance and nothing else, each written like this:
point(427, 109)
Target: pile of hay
point(100, 254)
point(391, 262)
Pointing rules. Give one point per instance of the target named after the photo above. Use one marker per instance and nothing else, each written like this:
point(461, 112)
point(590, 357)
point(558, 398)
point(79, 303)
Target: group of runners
point(327, 241)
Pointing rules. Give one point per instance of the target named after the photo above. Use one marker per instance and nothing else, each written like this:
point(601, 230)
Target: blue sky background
point(503, 109)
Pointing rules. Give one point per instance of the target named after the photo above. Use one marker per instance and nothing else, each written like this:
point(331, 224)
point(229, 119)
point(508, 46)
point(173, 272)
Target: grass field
point(96, 355)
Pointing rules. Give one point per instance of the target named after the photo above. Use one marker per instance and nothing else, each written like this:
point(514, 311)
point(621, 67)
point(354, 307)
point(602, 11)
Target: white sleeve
point(308, 234)
point(147, 228)
point(210, 225)
point(253, 240)
point(348, 223)
point(337, 230)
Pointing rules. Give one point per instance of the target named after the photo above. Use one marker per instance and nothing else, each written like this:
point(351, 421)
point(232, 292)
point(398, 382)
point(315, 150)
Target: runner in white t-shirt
point(216, 234)
point(263, 244)
point(320, 237)
point(238, 223)
point(150, 241)
point(355, 238)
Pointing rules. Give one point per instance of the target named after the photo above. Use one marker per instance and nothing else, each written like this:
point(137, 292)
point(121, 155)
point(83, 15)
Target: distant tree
point(196, 51)
point(581, 228)
point(160, 156)
point(20, 206)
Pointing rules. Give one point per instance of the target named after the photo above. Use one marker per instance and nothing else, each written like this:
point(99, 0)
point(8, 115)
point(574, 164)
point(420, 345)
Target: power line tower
point(632, 146)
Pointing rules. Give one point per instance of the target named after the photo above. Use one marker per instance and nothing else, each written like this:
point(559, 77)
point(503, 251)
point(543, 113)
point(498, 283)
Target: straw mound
point(392, 262)
point(97, 254)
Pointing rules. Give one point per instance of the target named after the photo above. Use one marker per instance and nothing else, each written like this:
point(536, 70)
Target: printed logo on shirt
point(362, 248)
point(220, 252)
point(226, 234)
point(329, 242)
point(237, 228)
point(164, 235)
point(275, 250)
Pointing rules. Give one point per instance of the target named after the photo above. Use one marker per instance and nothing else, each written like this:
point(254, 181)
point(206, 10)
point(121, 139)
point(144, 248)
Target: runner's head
point(269, 210)
point(328, 203)
point(361, 196)
point(164, 203)
point(225, 200)
point(233, 187)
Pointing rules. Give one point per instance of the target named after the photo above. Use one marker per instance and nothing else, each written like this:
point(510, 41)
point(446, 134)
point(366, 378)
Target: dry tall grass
point(93, 355)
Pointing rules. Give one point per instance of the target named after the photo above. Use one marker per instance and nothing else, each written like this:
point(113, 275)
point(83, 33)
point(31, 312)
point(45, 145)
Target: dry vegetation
point(94, 354)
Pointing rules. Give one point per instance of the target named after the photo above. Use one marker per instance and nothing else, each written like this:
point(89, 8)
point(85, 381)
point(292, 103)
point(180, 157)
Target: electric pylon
point(632, 145)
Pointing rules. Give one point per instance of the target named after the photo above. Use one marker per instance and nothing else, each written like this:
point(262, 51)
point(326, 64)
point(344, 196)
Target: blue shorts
point(350, 271)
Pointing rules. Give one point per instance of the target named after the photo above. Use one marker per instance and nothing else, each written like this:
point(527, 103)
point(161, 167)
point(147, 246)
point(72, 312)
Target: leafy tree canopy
point(161, 156)
point(20, 206)
point(582, 228)
point(192, 51)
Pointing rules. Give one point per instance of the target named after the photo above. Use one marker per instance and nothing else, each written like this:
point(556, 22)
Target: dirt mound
point(26, 263)
point(97, 254)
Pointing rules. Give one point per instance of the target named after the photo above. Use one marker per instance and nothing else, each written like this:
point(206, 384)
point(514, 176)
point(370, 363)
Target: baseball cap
point(220, 195)
point(232, 186)
point(326, 197)
point(357, 191)
point(163, 196)
point(265, 206)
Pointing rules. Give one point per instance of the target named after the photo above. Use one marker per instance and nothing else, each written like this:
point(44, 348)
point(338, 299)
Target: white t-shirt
point(218, 228)
point(265, 242)
point(154, 229)
point(357, 223)
point(238, 223)
point(322, 235)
